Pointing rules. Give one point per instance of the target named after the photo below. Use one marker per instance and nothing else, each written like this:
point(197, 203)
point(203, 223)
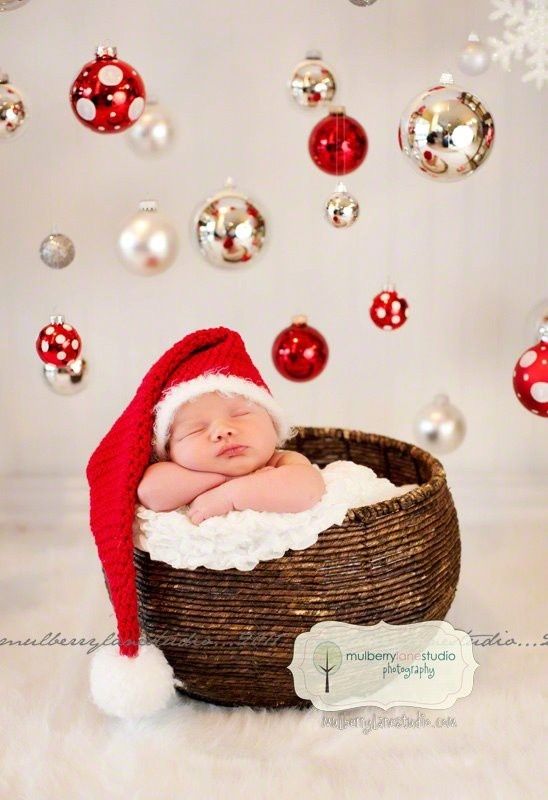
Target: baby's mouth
point(234, 450)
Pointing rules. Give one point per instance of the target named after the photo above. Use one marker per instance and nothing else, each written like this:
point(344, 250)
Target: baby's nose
point(222, 428)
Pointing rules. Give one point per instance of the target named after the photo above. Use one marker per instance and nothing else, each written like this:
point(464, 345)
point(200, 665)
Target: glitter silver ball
point(57, 251)
point(363, 2)
point(342, 209)
point(440, 427)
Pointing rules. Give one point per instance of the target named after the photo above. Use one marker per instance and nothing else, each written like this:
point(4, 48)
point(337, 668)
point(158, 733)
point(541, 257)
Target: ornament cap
point(106, 51)
point(148, 205)
point(4, 77)
point(313, 55)
point(299, 319)
point(543, 332)
point(337, 109)
point(57, 319)
point(447, 79)
point(473, 37)
point(441, 399)
point(341, 187)
point(229, 183)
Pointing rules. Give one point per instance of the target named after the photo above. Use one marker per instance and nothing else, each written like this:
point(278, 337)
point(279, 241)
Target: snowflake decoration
point(526, 24)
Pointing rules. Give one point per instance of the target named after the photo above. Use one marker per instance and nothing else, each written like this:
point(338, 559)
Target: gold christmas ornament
point(13, 111)
point(66, 380)
point(342, 209)
point(312, 83)
point(446, 133)
point(11, 5)
point(229, 228)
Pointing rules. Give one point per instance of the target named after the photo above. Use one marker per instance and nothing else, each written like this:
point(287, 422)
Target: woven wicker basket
point(229, 635)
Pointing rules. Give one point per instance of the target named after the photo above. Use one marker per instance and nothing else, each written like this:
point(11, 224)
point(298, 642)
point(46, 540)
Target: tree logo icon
point(327, 659)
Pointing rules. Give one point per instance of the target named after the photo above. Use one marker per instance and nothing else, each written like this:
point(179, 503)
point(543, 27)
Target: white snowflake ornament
point(526, 32)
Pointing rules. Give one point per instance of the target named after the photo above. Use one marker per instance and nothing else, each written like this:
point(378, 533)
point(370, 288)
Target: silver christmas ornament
point(474, 58)
point(13, 112)
point(342, 209)
point(446, 133)
point(440, 427)
point(10, 5)
point(312, 83)
point(153, 132)
point(536, 319)
point(148, 243)
point(363, 2)
point(66, 380)
point(57, 251)
point(229, 229)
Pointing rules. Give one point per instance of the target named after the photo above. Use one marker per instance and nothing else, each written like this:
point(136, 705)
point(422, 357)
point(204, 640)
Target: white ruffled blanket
point(241, 539)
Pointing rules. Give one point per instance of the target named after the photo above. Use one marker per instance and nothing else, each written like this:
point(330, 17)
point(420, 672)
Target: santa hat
point(135, 679)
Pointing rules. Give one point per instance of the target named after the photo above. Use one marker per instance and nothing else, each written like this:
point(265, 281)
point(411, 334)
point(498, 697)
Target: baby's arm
point(289, 487)
point(166, 486)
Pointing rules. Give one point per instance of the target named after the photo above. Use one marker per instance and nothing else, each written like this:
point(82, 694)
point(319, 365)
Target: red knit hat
point(138, 680)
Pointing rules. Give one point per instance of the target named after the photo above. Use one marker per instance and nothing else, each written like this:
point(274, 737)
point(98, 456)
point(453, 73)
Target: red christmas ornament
point(338, 143)
point(58, 343)
point(531, 376)
point(388, 310)
point(300, 352)
point(108, 95)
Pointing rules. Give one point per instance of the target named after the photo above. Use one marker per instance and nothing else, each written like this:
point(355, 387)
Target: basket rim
point(405, 502)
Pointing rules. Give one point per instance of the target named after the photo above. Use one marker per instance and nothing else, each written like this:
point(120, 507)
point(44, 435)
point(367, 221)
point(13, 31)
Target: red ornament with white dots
point(58, 343)
point(300, 352)
point(388, 309)
point(531, 376)
point(108, 95)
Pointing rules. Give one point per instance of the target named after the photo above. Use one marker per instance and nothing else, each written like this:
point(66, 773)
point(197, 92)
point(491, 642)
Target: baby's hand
point(213, 503)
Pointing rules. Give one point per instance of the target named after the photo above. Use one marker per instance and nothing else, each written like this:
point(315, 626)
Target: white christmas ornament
point(474, 58)
point(153, 132)
point(525, 34)
point(440, 427)
point(148, 243)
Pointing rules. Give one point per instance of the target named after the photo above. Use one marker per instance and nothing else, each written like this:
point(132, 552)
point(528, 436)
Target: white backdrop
point(468, 257)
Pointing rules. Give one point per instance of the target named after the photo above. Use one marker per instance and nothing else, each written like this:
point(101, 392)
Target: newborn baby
point(223, 457)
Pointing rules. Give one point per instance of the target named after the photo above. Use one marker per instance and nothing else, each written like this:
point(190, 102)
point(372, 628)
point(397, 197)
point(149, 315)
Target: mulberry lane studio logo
point(327, 659)
point(428, 664)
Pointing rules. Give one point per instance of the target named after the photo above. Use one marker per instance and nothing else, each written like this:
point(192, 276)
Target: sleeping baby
point(221, 455)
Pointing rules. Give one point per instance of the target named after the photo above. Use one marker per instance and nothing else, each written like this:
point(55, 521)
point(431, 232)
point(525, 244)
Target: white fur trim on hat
point(213, 382)
point(131, 687)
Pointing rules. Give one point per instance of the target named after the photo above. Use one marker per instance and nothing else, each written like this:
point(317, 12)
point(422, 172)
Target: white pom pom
point(131, 688)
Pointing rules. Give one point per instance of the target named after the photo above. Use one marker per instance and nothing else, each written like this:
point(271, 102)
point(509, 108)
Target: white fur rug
point(54, 744)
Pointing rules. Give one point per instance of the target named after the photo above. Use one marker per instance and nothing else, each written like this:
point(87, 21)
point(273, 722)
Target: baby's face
point(205, 428)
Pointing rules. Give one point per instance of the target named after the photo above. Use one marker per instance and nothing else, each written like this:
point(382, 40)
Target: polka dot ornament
point(108, 95)
point(388, 309)
point(58, 343)
point(531, 376)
